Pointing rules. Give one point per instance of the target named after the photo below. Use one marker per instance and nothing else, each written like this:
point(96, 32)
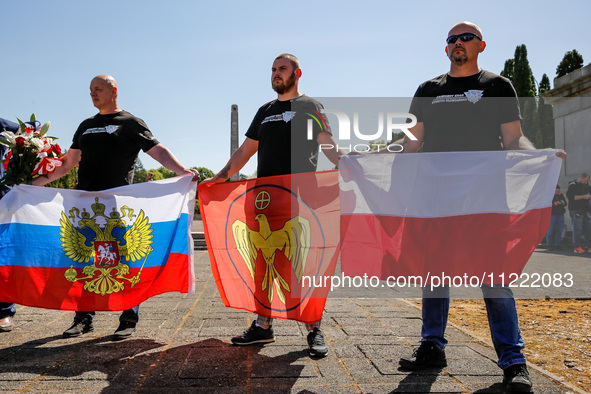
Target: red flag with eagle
point(272, 241)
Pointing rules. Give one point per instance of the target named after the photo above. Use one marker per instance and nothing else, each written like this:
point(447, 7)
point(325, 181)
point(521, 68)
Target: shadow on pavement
point(145, 365)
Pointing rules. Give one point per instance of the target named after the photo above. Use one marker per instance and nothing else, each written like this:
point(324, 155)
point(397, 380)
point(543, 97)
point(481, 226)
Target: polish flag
point(453, 213)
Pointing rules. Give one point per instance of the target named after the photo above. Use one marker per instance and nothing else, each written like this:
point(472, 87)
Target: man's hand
point(206, 181)
point(196, 175)
point(561, 154)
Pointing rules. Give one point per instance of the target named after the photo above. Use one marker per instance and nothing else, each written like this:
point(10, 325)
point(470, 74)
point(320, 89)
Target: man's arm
point(162, 155)
point(328, 146)
point(513, 138)
point(69, 162)
point(238, 159)
point(412, 146)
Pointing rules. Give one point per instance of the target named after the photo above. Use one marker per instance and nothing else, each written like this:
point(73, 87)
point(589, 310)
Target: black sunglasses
point(464, 37)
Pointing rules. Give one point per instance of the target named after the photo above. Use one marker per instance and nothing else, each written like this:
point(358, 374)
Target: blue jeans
point(130, 315)
point(554, 235)
point(581, 229)
point(7, 309)
point(502, 320)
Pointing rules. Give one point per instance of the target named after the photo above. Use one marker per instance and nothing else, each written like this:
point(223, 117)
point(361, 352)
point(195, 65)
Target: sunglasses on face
point(464, 37)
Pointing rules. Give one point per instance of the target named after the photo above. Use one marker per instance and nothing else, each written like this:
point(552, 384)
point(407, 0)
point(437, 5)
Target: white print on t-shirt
point(472, 96)
point(286, 117)
point(107, 129)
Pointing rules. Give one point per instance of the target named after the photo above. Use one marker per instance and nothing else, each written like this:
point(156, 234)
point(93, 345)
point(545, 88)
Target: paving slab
point(182, 344)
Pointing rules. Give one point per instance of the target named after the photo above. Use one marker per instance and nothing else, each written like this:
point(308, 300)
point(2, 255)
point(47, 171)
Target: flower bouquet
point(32, 153)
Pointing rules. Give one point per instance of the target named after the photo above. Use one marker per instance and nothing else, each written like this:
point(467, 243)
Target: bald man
point(105, 148)
point(468, 109)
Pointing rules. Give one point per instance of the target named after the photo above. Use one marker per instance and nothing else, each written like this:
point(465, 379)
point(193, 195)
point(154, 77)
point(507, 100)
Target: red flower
point(55, 148)
point(20, 141)
point(7, 160)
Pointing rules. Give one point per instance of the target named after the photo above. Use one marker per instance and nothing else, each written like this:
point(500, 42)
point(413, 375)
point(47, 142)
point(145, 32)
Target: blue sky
point(180, 65)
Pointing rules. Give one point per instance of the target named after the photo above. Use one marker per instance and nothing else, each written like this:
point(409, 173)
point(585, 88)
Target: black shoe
point(125, 329)
point(254, 334)
point(517, 379)
point(316, 344)
point(78, 328)
point(426, 356)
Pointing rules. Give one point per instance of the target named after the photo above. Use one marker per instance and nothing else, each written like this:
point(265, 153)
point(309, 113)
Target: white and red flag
point(458, 213)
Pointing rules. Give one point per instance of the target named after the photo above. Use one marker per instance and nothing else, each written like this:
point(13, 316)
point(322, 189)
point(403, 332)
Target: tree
point(546, 117)
point(523, 81)
point(571, 61)
point(508, 70)
point(204, 173)
point(139, 174)
point(67, 181)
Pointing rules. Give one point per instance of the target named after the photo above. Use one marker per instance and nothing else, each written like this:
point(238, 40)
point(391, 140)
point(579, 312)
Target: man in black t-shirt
point(279, 134)
point(468, 109)
point(579, 194)
point(105, 148)
point(7, 310)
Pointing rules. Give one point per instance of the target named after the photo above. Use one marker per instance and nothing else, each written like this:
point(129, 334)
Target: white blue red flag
point(107, 250)
point(460, 213)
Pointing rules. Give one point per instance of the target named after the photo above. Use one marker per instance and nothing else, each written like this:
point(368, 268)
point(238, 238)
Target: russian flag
point(107, 250)
point(456, 213)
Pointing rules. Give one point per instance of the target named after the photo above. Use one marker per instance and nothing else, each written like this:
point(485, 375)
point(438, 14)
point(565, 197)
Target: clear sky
point(181, 64)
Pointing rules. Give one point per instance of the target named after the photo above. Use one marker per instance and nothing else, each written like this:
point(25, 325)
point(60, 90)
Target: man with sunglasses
point(468, 109)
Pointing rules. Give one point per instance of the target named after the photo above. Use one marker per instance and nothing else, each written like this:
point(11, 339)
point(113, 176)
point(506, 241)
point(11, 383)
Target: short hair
point(584, 175)
point(294, 60)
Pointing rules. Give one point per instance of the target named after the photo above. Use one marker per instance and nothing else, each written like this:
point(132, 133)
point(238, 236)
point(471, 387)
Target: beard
point(459, 58)
point(282, 87)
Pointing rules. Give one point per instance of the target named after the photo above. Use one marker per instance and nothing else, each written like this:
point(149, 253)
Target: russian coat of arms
point(104, 241)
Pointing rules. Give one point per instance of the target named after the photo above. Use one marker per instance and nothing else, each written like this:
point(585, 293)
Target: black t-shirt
point(110, 145)
point(577, 189)
point(465, 114)
point(559, 204)
point(281, 127)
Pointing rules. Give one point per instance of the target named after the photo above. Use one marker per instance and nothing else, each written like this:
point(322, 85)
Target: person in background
point(554, 235)
point(578, 206)
point(7, 310)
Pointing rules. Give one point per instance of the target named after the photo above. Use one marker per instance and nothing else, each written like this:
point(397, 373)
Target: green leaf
point(44, 129)
point(33, 119)
point(23, 126)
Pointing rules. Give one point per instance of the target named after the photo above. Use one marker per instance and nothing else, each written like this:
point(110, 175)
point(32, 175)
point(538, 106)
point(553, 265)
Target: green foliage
point(204, 173)
point(508, 70)
point(571, 61)
point(521, 76)
point(139, 174)
point(67, 181)
point(166, 173)
point(546, 117)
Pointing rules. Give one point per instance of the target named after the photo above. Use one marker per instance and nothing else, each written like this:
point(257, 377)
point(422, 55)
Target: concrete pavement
point(182, 345)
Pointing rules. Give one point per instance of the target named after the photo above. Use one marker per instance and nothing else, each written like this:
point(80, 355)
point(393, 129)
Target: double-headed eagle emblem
point(105, 246)
point(293, 240)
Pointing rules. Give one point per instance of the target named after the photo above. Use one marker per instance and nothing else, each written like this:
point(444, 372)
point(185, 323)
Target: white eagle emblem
point(288, 115)
point(474, 96)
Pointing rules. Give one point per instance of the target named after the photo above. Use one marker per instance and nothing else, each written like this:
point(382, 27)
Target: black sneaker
point(78, 328)
point(517, 378)
point(125, 329)
point(254, 334)
point(426, 356)
point(316, 344)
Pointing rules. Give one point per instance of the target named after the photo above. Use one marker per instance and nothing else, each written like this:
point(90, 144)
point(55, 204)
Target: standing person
point(278, 133)
point(453, 116)
point(554, 235)
point(7, 310)
point(105, 148)
point(578, 207)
